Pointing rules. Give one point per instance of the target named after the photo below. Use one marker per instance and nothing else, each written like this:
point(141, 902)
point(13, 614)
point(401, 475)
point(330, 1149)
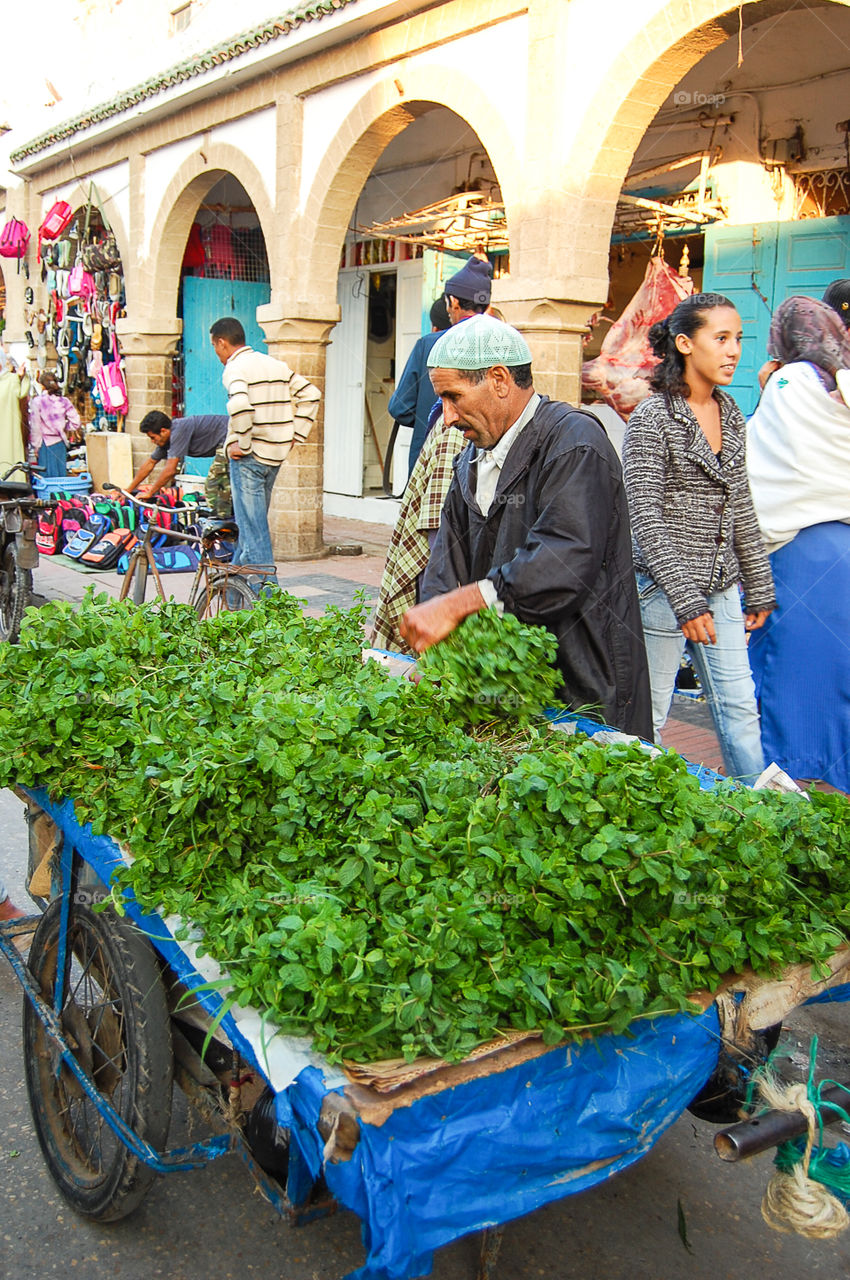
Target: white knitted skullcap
point(479, 343)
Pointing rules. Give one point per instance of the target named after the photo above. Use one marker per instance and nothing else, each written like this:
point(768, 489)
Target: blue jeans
point(252, 482)
point(723, 670)
point(54, 458)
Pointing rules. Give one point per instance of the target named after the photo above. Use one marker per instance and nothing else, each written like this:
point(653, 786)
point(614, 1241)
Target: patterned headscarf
point(807, 329)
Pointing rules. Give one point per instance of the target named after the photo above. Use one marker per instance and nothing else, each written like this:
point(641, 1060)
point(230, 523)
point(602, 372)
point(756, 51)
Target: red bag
point(55, 221)
point(194, 255)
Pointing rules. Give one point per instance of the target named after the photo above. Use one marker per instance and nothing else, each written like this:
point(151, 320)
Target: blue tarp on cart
point(498, 1147)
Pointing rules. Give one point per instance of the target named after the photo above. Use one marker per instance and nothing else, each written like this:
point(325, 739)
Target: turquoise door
point(740, 263)
point(759, 265)
point(810, 254)
point(204, 302)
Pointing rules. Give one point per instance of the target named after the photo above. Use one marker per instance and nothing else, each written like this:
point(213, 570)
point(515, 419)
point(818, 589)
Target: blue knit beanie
point(472, 283)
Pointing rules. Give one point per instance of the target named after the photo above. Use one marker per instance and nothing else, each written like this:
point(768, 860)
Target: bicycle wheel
point(114, 1015)
point(140, 581)
point(15, 592)
point(223, 593)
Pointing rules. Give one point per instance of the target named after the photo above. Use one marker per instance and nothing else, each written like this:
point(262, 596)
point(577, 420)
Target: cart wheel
point(222, 594)
point(15, 592)
point(114, 1016)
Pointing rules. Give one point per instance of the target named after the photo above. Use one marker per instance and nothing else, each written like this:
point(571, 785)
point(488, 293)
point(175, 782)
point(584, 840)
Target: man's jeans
point(251, 483)
point(723, 670)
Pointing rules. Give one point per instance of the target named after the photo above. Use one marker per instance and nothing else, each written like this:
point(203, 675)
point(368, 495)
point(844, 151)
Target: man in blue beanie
point(467, 294)
point(468, 291)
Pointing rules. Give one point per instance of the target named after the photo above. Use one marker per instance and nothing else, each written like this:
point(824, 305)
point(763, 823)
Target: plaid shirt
point(409, 548)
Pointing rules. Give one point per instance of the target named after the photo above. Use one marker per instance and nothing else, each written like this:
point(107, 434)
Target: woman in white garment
point(798, 460)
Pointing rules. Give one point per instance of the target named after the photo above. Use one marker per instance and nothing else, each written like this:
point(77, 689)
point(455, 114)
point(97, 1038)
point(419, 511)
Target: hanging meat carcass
point(618, 375)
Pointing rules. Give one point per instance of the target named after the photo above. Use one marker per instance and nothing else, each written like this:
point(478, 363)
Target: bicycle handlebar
point(32, 504)
point(180, 535)
point(138, 502)
point(27, 467)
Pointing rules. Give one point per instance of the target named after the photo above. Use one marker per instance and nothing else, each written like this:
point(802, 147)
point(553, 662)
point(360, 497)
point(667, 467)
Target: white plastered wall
point(160, 168)
point(491, 55)
point(254, 134)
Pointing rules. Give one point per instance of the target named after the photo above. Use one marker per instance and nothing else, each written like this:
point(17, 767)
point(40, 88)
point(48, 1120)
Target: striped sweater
point(693, 525)
point(270, 407)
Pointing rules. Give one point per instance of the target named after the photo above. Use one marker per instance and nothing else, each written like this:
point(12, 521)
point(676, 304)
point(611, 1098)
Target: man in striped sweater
point(270, 409)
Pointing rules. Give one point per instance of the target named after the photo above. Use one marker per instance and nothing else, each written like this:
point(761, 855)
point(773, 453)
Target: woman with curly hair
point(696, 540)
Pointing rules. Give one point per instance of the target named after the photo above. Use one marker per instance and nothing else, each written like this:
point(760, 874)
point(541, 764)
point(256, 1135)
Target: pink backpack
point(109, 381)
point(81, 283)
point(14, 239)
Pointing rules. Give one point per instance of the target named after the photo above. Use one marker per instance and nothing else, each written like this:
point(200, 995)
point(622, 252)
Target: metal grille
point(230, 253)
point(821, 193)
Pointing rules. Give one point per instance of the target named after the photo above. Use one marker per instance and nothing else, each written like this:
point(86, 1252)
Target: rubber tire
point(15, 599)
point(104, 1181)
point(213, 599)
point(140, 582)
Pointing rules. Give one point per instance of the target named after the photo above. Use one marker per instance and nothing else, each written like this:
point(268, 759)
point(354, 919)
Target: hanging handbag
point(14, 240)
point(55, 221)
point(111, 387)
point(102, 254)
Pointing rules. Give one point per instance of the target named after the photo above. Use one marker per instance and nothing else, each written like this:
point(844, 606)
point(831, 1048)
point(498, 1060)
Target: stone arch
point(178, 206)
point(378, 117)
point(605, 138)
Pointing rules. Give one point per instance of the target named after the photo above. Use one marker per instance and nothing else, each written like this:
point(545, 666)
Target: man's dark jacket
point(556, 544)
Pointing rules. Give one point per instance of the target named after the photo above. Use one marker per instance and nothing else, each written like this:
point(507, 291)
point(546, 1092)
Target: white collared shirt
point(489, 462)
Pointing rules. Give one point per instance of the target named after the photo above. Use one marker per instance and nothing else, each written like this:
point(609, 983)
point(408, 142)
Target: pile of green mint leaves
point(400, 869)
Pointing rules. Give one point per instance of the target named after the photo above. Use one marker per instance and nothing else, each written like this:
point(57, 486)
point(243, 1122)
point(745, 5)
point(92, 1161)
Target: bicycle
point(18, 551)
point(217, 587)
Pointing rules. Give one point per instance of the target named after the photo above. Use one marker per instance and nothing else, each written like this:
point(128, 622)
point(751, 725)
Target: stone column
point(295, 515)
point(148, 367)
point(554, 329)
point(17, 277)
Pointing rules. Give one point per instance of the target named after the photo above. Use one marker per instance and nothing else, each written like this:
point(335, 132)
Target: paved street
point(212, 1225)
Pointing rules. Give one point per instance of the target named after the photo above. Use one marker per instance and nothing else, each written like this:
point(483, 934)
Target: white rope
point(794, 1201)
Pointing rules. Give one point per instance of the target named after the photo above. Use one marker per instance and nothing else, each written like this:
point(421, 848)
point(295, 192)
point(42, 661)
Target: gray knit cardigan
point(694, 530)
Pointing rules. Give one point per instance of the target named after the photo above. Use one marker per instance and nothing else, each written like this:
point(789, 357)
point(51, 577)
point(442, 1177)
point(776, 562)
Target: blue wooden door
point(759, 265)
point(809, 255)
point(740, 263)
point(204, 302)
